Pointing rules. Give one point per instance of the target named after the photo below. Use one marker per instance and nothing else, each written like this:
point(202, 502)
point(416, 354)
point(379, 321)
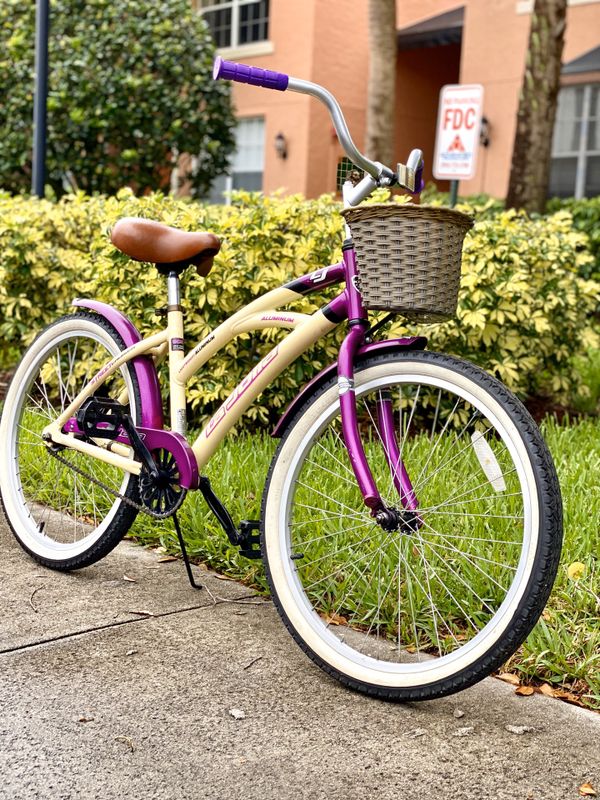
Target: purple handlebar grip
point(242, 73)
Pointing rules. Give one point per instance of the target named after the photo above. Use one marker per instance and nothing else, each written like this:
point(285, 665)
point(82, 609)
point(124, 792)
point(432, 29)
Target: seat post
point(176, 353)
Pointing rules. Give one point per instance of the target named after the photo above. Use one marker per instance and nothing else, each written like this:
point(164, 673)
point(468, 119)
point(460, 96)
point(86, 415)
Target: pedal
point(104, 418)
point(100, 418)
point(249, 538)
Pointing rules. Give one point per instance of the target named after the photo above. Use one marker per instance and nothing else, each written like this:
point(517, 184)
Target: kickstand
point(186, 560)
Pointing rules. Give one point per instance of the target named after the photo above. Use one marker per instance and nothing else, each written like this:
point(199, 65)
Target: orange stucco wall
point(291, 27)
point(421, 74)
point(326, 41)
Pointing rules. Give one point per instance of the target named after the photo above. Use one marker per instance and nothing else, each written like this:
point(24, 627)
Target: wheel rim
point(353, 628)
point(55, 512)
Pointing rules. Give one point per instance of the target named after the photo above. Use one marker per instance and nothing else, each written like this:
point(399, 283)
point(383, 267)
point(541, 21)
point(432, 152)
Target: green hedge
point(586, 218)
point(585, 213)
point(523, 310)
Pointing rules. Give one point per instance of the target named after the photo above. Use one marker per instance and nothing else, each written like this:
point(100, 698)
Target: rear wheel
point(62, 519)
point(424, 609)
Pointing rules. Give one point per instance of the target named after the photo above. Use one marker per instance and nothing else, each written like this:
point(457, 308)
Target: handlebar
point(409, 175)
point(230, 71)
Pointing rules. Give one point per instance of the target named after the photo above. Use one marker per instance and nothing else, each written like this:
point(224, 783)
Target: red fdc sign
point(458, 126)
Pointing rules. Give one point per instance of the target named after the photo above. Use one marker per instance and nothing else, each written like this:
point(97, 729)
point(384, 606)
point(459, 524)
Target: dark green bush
point(130, 85)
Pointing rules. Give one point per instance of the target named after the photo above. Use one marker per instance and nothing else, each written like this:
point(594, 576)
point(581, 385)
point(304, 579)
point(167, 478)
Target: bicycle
point(411, 518)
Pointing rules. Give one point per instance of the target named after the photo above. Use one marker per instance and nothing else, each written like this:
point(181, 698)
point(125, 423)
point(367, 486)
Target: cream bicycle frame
point(259, 314)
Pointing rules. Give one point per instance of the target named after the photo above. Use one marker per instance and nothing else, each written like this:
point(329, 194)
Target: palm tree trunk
point(530, 170)
point(382, 81)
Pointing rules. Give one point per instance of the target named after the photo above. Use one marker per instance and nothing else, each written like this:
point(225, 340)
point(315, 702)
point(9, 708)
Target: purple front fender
point(384, 346)
point(152, 414)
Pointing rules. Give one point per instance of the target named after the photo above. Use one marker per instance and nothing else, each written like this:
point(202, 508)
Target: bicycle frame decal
point(239, 391)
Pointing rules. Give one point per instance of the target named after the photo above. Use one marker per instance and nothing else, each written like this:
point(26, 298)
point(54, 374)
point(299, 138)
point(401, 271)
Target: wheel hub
point(394, 519)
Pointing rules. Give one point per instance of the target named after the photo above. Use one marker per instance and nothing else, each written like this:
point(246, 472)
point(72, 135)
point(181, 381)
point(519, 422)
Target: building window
point(248, 162)
point(236, 22)
point(575, 170)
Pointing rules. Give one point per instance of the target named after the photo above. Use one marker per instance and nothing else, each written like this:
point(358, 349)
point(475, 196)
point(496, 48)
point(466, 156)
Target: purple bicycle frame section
point(349, 305)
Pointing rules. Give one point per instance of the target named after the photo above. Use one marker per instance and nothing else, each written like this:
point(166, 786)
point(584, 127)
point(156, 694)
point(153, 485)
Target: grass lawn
point(563, 649)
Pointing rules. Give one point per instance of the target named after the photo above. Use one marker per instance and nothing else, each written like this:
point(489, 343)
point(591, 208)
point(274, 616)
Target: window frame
point(582, 153)
point(230, 176)
point(235, 5)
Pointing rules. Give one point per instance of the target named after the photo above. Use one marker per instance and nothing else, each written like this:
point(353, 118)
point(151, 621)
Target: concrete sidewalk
point(98, 699)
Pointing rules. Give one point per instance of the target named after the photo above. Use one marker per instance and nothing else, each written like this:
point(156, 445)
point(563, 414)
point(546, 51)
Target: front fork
point(384, 420)
point(384, 417)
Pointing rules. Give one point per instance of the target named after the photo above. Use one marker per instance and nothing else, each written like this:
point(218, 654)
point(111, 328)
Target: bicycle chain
point(127, 500)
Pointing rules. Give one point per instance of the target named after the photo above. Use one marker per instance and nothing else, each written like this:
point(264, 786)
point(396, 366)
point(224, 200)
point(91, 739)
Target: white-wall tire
point(534, 572)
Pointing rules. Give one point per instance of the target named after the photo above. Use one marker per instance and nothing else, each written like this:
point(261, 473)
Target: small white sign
point(457, 137)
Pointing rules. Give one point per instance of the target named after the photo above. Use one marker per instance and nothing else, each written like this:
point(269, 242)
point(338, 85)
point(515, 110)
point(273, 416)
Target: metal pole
point(453, 193)
point(38, 175)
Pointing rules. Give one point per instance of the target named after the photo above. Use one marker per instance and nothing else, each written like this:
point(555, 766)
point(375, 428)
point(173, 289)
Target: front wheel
point(431, 607)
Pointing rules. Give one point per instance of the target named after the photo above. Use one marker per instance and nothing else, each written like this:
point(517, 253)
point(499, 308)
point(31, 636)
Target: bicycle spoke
point(337, 460)
point(306, 543)
point(451, 547)
point(350, 546)
point(355, 515)
point(327, 497)
point(459, 605)
point(331, 472)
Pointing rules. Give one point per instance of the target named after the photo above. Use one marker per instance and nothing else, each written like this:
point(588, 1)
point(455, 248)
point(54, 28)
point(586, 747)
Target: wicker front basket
point(409, 258)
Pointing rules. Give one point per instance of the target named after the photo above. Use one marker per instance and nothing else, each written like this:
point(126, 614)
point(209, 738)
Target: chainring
point(163, 495)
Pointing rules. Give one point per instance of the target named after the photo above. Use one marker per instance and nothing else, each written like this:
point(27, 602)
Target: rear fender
point(375, 348)
point(152, 413)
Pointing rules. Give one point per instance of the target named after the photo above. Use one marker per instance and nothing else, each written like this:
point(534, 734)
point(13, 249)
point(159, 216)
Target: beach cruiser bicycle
point(411, 519)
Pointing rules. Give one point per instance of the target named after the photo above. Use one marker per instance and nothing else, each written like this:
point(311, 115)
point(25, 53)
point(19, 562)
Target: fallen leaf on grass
point(131, 580)
point(560, 694)
point(508, 677)
point(587, 790)
point(575, 571)
point(525, 691)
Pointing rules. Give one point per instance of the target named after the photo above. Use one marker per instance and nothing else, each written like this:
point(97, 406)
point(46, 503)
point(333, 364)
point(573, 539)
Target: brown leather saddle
point(170, 249)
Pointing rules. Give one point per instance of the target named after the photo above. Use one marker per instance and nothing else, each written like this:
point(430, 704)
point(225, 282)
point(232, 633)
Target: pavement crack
point(138, 619)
